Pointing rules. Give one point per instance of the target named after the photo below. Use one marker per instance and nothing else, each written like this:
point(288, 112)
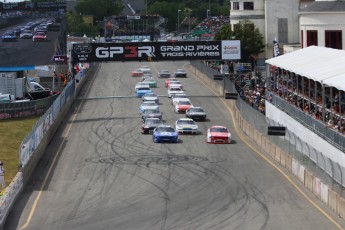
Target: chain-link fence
point(304, 153)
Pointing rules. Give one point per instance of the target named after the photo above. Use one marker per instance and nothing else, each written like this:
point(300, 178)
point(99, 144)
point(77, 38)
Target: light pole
point(189, 21)
point(178, 22)
point(207, 13)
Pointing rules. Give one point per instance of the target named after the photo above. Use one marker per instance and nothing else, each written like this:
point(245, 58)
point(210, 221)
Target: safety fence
point(290, 152)
point(30, 108)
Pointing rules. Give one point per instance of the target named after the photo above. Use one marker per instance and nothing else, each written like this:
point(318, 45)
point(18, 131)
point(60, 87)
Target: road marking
point(262, 155)
point(32, 211)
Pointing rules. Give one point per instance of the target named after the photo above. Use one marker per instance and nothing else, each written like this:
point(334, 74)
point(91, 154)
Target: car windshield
point(219, 130)
point(185, 122)
point(150, 95)
point(196, 110)
point(184, 103)
point(144, 88)
point(149, 111)
point(149, 104)
point(165, 129)
point(175, 89)
point(153, 122)
point(164, 71)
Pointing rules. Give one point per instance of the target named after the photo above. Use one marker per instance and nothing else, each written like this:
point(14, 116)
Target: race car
point(151, 97)
point(186, 125)
point(148, 105)
point(151, 113)
point(167, 81)
point(26, 34)
point(140, 84)
point(165, 133)
point(218, 134)
point(142, 90)
point(146, 76)
point(150, 124)
point(180, 73)
point(174, 90)
point(177, 97)
point(182, 106)
point(39, 37)
point(151, 82)
point(176, 84)
point(137, 73)
point(9, 37)
point(145, 69)
point(164, 73)
point(196, 113)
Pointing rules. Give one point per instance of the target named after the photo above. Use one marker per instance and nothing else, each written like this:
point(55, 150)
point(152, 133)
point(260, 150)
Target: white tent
point(324, 65)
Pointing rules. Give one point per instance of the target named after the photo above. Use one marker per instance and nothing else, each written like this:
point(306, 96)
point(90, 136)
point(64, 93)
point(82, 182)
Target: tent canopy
point(324, 65)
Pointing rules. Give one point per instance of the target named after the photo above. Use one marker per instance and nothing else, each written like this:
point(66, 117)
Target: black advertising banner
point(156, 51)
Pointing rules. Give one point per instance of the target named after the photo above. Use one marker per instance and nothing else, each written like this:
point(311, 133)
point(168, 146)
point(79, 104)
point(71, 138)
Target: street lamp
point(207, 13)
point(178, 22)
point(189, 20)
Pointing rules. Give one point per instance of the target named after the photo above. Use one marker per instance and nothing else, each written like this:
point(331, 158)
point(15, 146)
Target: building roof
point(324, 6)
point(324, 65)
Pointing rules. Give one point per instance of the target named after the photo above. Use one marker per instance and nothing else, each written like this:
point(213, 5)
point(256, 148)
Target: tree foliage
point(252, 41)
point(100, 8)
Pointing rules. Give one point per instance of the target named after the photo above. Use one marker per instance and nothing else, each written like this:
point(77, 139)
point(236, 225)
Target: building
point(294, 23)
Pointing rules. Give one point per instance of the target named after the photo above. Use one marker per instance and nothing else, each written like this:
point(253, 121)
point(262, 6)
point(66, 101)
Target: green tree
point(100, 8)
point(252, 41)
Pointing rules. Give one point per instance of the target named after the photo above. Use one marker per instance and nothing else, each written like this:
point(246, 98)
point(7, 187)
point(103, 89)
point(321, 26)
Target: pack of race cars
point(152, 117)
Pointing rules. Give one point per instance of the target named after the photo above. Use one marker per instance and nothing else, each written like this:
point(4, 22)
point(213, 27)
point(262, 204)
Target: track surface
point(110, 176)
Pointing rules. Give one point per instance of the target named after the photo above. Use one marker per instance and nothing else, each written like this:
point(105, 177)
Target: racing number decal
point(133, 51)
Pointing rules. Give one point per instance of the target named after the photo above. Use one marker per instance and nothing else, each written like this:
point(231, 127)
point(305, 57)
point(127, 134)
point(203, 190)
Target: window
point(312, 37)
point(248, 5)
point(333, 39)
point(236, 5)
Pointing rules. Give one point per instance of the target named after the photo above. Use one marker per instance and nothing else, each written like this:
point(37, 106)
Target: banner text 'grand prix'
point(156, 51)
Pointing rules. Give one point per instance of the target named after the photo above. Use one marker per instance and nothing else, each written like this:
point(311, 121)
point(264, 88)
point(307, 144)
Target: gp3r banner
point(156, 51)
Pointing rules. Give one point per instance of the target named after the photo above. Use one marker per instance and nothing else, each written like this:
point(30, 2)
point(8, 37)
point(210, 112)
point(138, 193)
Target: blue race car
point(148, 105)
point(165, 133)
point(142, 90)
point(9, 37)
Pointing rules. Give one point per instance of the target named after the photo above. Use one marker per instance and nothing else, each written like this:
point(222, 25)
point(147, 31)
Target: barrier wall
point(14, 190)
point(334, 201)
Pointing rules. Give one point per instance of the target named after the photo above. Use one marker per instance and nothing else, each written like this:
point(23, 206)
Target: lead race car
point(218, 134)
point(165, 133)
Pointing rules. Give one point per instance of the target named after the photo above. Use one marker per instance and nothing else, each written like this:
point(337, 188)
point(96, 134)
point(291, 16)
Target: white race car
point(176, 99)
point(140, 84)
point(186, 125)
point(174, 90)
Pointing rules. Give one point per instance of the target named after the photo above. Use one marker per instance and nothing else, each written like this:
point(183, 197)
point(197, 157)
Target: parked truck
point(21, 88)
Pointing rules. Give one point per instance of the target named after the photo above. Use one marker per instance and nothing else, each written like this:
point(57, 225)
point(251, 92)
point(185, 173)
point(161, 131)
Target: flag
point(276, 51)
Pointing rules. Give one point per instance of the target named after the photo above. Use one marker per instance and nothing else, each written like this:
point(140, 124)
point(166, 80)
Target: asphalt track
point(25, 52)
point(107, 175)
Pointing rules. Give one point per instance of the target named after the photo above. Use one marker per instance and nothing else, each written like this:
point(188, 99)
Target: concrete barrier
point(340, 206)
point(294, 167)
point(278, 154)
point(272, 149)
point(308, 180)
point(332, 200)
point(317, 187)
point(283, 158)
point(288, 163)
point(301, 172)
point(324, 193)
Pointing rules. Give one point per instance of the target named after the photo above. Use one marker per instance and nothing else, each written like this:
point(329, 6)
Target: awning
point(314, 62)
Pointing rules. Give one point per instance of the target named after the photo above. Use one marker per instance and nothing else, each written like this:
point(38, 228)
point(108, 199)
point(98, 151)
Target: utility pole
point(178, 22)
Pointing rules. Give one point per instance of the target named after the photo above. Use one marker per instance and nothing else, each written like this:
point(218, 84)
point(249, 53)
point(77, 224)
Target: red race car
point(218, 134)
point(182, 105)
point(137, 73)
point(167, 81)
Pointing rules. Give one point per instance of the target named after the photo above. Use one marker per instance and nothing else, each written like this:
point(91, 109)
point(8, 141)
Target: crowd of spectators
point(311, 102)
point(211, 25)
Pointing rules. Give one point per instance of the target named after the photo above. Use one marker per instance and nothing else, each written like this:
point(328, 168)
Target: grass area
point(12, 133)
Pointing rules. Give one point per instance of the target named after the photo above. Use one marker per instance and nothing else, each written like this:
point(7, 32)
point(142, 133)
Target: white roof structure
point(324, 65)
